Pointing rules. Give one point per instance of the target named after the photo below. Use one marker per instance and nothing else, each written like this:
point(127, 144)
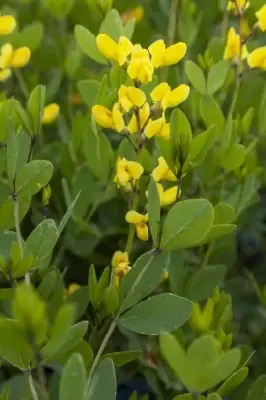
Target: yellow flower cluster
point(137, 113)
point(235, 50)
point(120, 263)
point(9, 57)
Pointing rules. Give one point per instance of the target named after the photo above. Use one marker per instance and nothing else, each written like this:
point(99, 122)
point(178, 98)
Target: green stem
point(131, 232)
point(171, 32)
point(17, 226)
point(101, 350)
point(33, 392)
point(236, 93)
point(208, 254)
point(22, 84)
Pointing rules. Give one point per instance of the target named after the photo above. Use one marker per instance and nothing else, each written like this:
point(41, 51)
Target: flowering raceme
point(127, 172)
point(140, 222)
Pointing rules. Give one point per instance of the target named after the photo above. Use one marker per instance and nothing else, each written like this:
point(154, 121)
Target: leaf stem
point(171, 32)
point(34, 394)
point(22, 84)
point(17, 225)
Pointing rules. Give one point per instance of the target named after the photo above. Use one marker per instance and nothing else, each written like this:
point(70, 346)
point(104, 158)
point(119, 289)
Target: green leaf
point(59, 346)
point(257, 389)
point(84, 349)
point(188, 396)
point(142, 278)
point(87, 43)
point(155, 315)
point(234, 157)
point(63, 321)
point(129, 28)
point(18, 149)
point(262, 117)
point(14, 348)
point(195, 76)
point(22, 116)
point(227, 135)
point(247, 120)
point(34, 176)
point(112, 25)
point(67, 215)
point(123, 357)
point(202, 144)
point(7, 211)
point(203, 282)
point(187, 223)
point(218, 231)
point(211, 113)
point(154, 212)
point(35, 107)
point(88, 90)
point(173, 353)
point(217, 76)
point(233, 382)
point(30, 36)
point(181, 134)
point(223, 214)
point(244, 195)
point(41, 242)
point(105, 372)
point(73, 379)
point(214, 396)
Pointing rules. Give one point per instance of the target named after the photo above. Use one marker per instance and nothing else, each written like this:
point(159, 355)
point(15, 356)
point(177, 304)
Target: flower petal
point(107, 46)
point(174, 53)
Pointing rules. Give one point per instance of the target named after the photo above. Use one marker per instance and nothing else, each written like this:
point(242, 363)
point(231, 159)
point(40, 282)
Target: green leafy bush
point(131, 174)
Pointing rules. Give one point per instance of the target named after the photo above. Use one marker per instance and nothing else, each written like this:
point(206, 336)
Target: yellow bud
point(46, 194)
point(50, 113)
point(7, 24)
point(6, 55)
point(120, 257)
point(107, 46)
point(102, 116)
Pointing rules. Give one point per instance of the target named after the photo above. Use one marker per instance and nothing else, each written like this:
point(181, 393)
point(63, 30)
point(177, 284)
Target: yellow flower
point(140, 67)
point(168, 196)
point(233, 47)
point(201, 317)
point(157, 127)
point(7, 24)
point(136, 13)
point(120, 262)
point(144, 115)
point(163, 172)
point(114, 51)
point(5, 74)
point(130, 96)
point(261, 16)
point(257, 58)
point(50, 113)
point(127, 172)
point(120, 258)
point(240, 7)
point(140, 222)
point(160, 91)
point(176, 96)
point(72, 288)
point(117, 117)
point(162, 56)
point(10, 58)
point(102, 116)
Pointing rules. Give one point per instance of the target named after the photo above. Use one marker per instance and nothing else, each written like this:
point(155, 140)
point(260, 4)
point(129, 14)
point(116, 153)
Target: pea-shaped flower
point(162, 56)
point(140, 222)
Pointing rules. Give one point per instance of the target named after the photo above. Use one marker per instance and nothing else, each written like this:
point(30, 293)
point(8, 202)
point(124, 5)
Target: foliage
point(132, 183)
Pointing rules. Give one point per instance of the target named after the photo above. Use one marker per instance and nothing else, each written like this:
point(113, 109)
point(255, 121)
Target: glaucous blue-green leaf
point(257, 389)
point(155, 315)
point(234, 157)
point(123, 357)
point(73, 379)
point(112, 25)
point(211, 113)
point(202, 144)
point(143, 277)
point(196, 76)
point(105, 372)
point(35, 107)
point(88, 90)
point(41, 242)
point(187, 224)
point(154, 212)
point(218, 231)
point(217, 76)
point(223, 214)
point(18, 149)
point(87, 43)
point(203, 282)
point(233, 382)
point(33, 176)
